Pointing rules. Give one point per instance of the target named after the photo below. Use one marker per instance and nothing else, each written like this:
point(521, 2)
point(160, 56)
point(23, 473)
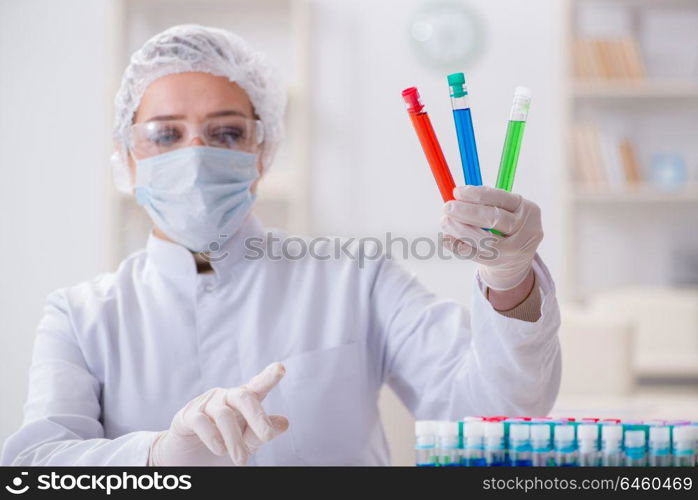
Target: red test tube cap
point(413, 100)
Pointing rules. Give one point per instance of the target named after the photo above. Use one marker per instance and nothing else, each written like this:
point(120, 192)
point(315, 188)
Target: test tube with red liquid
point(430, 144)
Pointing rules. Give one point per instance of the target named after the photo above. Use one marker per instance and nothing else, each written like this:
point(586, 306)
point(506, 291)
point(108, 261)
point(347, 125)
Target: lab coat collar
point(177, 261)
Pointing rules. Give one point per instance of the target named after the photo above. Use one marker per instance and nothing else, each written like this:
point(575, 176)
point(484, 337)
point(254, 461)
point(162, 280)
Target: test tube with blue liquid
point(588, 444)
point(541, 444)
point(659, 446)
point(447, 443)
point(565, 445)
point(683, 446)
point(494, 444)
point(474, 443)
point(611, 445)
point(425, 447)
point(464, 129)
point(635, 448)
point(520, 445)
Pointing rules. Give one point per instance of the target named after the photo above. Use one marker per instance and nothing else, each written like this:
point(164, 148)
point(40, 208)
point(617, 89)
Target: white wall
point(53, 160)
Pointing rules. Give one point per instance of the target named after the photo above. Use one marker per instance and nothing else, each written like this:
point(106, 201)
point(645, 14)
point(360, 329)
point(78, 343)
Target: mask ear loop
point(259, 136)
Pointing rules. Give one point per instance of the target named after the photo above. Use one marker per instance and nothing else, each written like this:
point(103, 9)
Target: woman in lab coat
point(206, 348)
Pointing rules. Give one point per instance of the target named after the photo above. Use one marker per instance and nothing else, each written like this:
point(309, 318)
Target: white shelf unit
point(278, 28)
point(635, 89)
point(628, 236)
point(626, 99)
point(640, 195)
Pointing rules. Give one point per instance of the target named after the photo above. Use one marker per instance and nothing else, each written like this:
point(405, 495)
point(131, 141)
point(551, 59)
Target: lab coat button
point(208, 288)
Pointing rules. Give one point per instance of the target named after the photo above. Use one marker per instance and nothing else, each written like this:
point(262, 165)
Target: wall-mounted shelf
point(617, 232)
point(639, 195)
point(636, 89)
point(645, 3)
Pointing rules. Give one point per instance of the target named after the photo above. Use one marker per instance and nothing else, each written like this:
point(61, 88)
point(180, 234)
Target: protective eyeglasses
point(228, 132)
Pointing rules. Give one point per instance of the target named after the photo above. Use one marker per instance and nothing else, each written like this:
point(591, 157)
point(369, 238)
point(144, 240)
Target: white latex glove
point(221, 425)
point(504, 262)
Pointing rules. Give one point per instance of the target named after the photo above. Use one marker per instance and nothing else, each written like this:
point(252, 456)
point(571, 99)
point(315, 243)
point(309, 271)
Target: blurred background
point(610, 154)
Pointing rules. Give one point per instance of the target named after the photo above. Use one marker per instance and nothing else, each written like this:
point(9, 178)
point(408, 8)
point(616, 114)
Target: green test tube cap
point(457, 83)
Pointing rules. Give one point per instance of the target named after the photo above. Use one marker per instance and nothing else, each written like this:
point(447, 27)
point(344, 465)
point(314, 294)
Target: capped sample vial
point(447, 443)
point(611, 445)
point(425, 447)
point(635, 448)
point(660, 446)
point(494, 443)
point(520, 445)
point(684, 444)
point(588, 445)
point(565, 449)
point(474, 443)
point(541, 444)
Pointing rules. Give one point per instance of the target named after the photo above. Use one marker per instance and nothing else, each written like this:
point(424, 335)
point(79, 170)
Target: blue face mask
point(198, 196)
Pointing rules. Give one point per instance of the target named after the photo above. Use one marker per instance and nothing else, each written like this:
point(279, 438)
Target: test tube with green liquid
point(512, 142)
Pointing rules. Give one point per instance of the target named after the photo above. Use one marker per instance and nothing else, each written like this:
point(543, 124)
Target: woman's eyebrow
point(216, 114)
point(165, 117)
point(227, 112)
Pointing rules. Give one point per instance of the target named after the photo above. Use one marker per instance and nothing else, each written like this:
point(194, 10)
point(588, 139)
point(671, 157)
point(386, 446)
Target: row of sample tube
point(548, 442)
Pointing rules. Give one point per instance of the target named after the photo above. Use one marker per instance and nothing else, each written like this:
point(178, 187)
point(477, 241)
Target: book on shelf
point(602, 160)
point(607, 59)
point(631, 167)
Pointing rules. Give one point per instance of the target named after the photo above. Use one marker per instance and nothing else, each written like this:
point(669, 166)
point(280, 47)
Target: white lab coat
point(116, 357)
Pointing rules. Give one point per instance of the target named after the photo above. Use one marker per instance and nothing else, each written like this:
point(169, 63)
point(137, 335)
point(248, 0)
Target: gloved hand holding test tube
point(468, 209)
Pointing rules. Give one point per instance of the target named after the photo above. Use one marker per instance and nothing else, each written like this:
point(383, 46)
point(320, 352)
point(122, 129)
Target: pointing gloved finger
point(481, 215)
point(247, 403)
point(485, 195)
point(265, 380)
